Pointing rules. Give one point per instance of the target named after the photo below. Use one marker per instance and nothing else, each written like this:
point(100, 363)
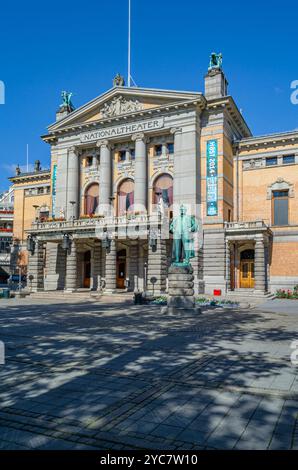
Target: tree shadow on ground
point(136, 378)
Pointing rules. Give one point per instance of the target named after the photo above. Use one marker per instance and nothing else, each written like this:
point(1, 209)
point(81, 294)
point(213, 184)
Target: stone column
point(73, 187)
point(260, 265)
point(71, 268)
point(228, 266)
point(140, 192)
point(36, 268)
point(96, 265)
point(110, 272)
point(133, 267)
point(105, 178)
point(157, 268)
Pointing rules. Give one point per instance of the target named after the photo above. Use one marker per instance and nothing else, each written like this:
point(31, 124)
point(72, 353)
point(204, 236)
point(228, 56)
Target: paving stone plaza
point(109, 375)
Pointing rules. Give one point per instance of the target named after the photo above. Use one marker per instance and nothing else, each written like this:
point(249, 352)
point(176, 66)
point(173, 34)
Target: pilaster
point(110, 271)
point(157, 268)
point(36, 268)
point(71, 268)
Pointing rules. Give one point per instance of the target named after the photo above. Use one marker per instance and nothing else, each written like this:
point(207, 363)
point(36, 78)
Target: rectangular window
point(132, 154)
point(270, 161)
point(280, 201)
point(39, 190)
point(171, 148)
point(158, 150)
point(288, 159)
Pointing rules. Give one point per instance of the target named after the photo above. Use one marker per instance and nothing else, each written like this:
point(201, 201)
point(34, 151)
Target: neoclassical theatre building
point(123, 161)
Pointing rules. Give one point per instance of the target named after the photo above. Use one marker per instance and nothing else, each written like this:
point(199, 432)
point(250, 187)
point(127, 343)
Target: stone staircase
point(83, 295)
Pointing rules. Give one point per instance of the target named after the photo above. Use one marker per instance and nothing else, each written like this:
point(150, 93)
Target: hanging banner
point(54, 189)
point(211, 177)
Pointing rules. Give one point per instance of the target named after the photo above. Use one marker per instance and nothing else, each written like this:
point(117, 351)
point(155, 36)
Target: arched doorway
point(163, 190)
point(91, 199)
point(121, 269)
point(247, 269)
point(125, 197)
point(87, 270)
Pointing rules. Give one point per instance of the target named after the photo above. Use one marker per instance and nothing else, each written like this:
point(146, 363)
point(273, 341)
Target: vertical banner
point(211, 177)
point(54, 188)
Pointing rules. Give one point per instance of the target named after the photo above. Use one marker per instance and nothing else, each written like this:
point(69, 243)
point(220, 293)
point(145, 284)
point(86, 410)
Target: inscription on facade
point(125, 129)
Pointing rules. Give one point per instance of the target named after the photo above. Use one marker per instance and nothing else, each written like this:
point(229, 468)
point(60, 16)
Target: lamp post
point(106, 240)
point(66, 242)
point(145, 276)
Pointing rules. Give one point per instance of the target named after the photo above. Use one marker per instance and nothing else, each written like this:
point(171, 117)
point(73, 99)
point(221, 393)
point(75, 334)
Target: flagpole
point(129, 43)
point(27, 152)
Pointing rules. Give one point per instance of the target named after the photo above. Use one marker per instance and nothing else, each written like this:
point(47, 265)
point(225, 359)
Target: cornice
point(44, 175)
point(141, 92)
point(228, 103)
point(266, 140)
point(144, 113)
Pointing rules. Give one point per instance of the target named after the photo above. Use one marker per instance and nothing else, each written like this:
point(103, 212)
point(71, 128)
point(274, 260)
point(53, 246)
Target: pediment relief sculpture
point(120, 105)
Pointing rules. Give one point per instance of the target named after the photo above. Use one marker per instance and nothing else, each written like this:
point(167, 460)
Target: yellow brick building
point(123, 163)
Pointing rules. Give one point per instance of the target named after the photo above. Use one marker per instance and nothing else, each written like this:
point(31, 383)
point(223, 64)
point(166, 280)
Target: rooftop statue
point(118, 80)
point(66, 101)
point(215, 61)
point(182, 227)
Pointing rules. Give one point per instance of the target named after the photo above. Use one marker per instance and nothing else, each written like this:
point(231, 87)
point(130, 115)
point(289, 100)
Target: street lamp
point(106, 241)
point(31, 244)
point(153, 240)
point(66, 242)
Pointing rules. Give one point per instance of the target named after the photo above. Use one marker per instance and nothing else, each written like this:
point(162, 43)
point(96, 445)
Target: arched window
point(91, 199)
point(163, 189)
point(126, 197)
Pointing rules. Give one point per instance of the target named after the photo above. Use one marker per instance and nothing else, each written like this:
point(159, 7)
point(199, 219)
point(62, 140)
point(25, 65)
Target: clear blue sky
point(80, 46)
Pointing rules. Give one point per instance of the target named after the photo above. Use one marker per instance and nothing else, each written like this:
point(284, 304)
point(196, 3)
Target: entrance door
point(121, 269)
point(247, 274)
point(87, 269)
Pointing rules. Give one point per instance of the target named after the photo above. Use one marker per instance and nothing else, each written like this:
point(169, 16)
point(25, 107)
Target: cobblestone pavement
point(89, 375)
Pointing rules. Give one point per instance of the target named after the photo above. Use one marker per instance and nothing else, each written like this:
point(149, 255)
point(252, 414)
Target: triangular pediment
point(120, 101)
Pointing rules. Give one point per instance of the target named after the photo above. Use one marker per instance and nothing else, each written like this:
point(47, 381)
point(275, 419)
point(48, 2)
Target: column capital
point(138, 136)
point(76, 150)
point(103, 143)
point(176, 130)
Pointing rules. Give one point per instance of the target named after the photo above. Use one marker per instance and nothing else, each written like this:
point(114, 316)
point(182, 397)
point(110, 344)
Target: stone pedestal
point(181, 291)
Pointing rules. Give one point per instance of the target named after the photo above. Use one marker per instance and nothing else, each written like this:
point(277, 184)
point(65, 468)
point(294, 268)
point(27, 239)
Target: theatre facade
point(124, 162)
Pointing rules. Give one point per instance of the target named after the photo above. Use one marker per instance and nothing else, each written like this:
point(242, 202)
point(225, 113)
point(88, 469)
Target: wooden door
point(87, 270)
point(121, 273)
point(247, 274)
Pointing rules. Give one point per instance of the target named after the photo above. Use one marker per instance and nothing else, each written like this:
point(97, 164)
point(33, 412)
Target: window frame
point(275, 198)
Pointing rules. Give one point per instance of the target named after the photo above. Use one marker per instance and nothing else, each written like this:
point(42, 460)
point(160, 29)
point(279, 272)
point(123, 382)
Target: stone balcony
point(247, 229)
point(250, 225)
point(90, 225)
